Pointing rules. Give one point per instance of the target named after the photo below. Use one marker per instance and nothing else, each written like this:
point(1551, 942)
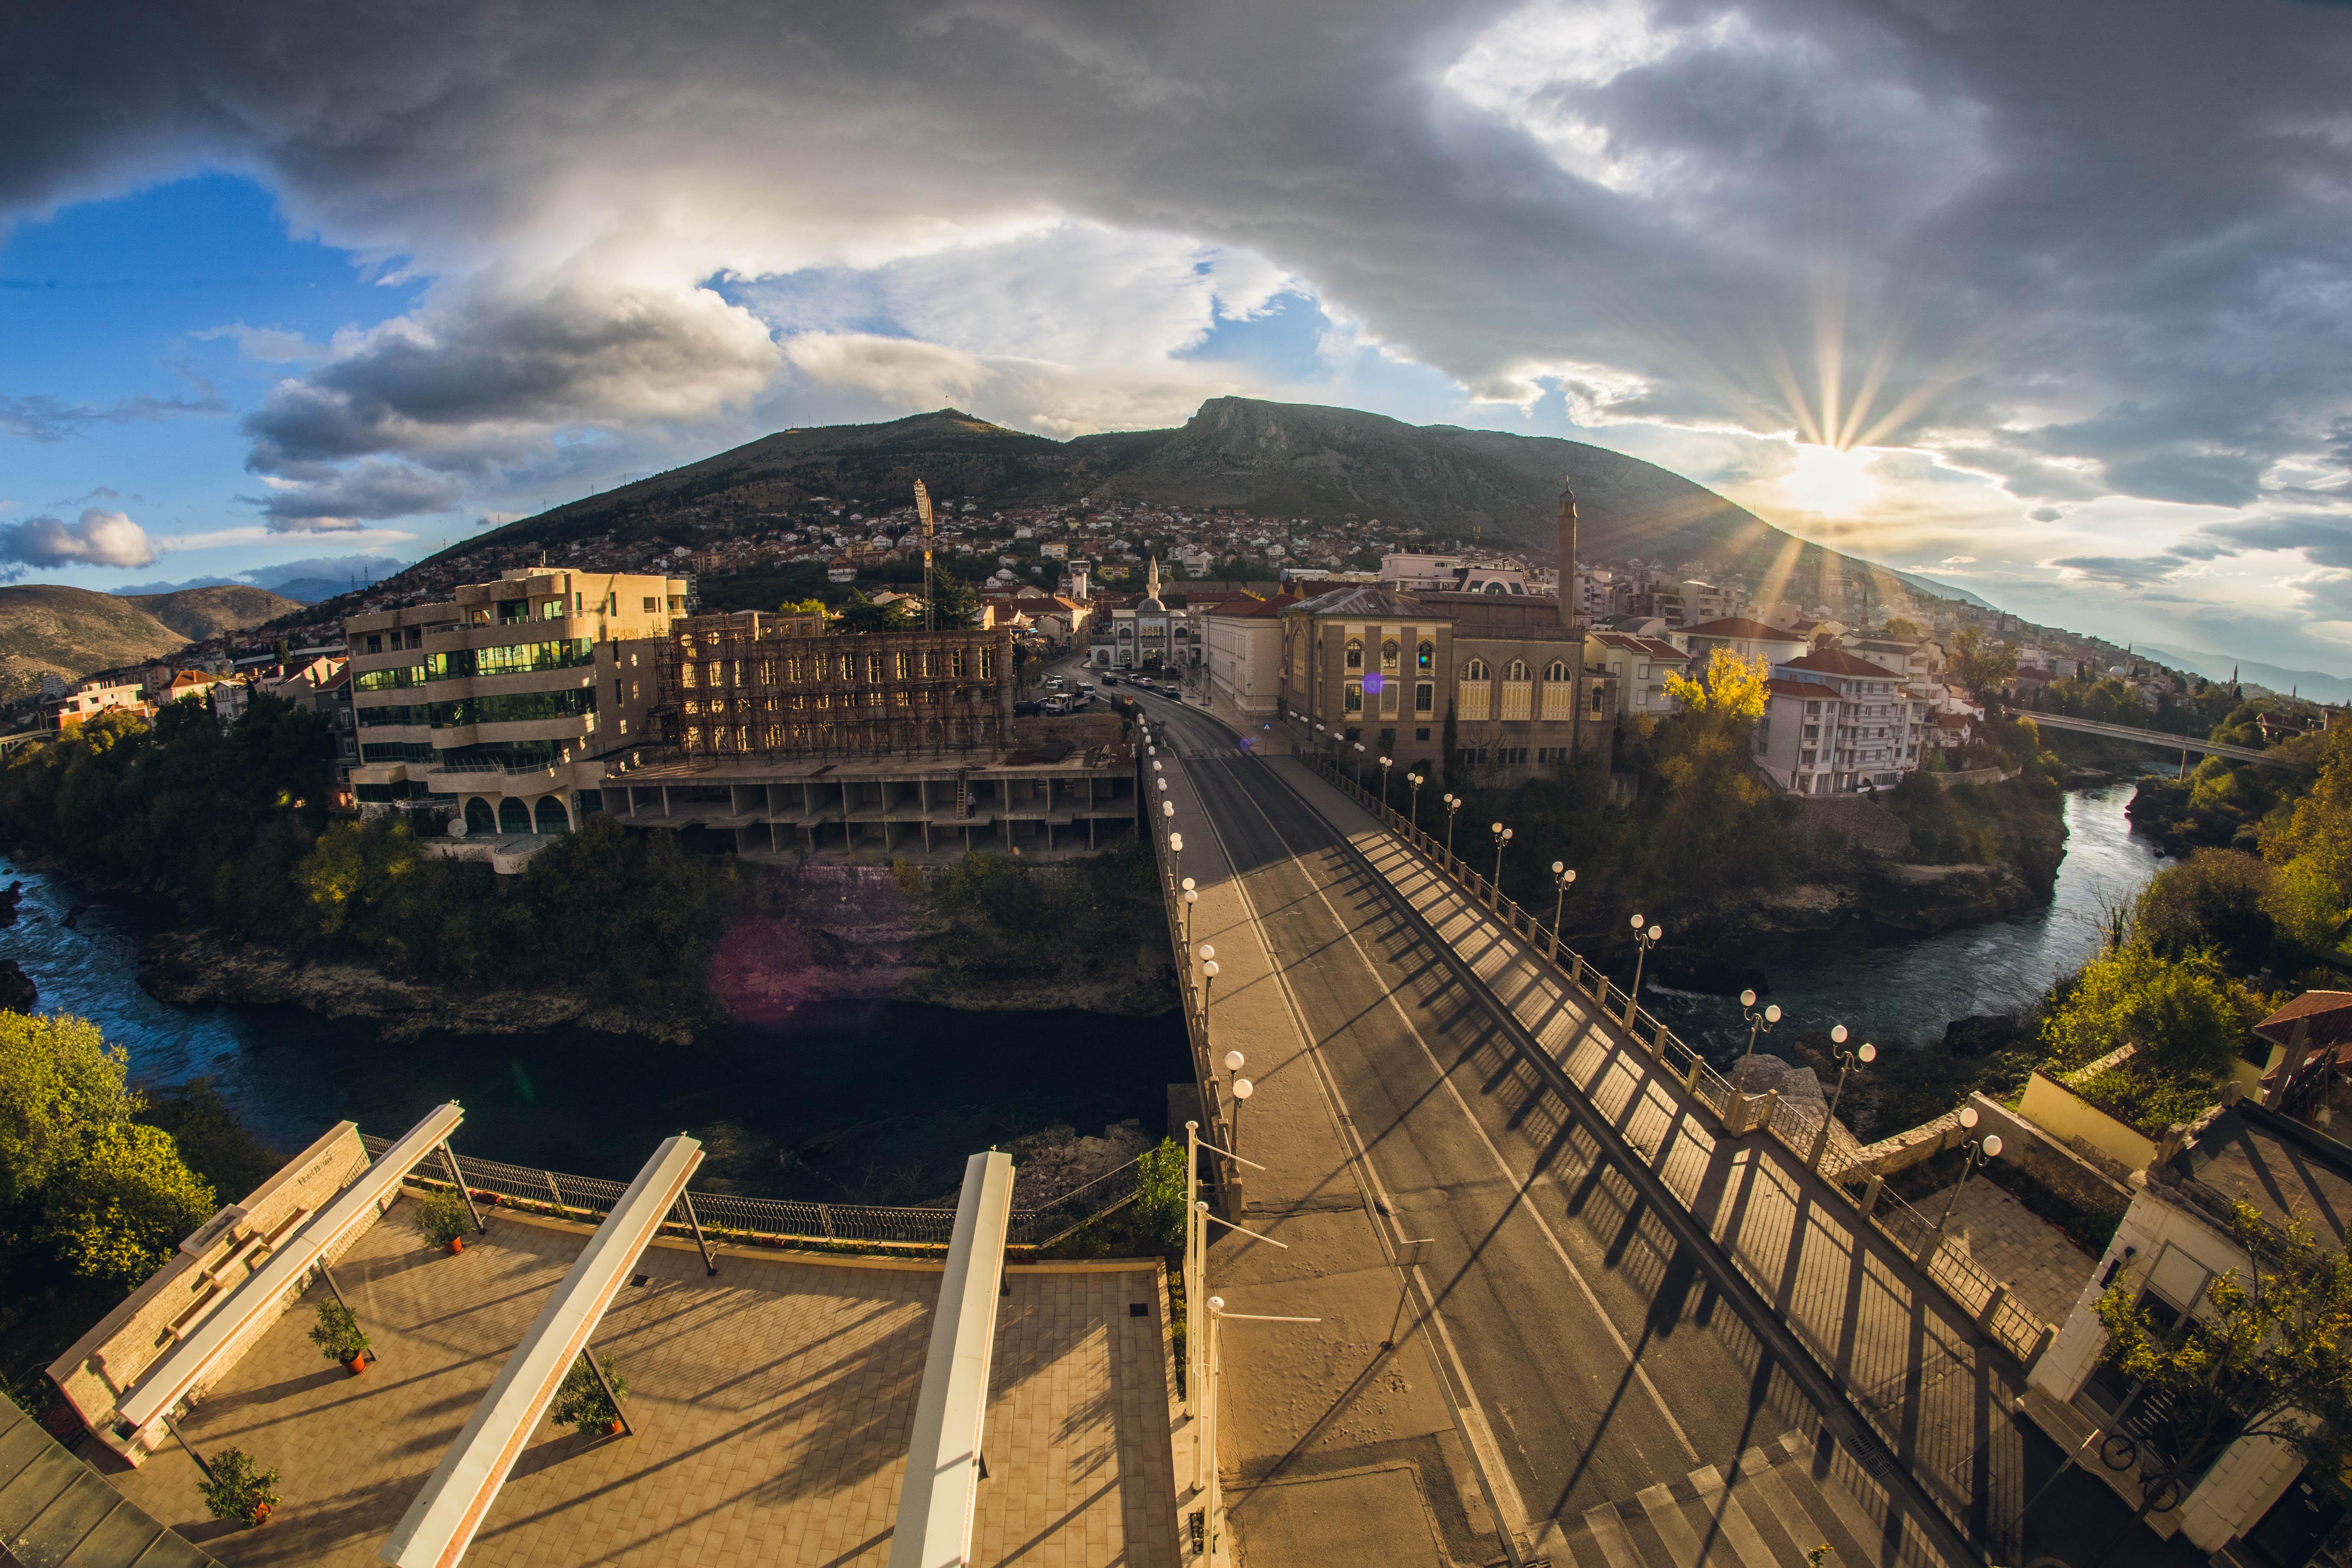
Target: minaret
point(1568, 607)
point(1151, 580)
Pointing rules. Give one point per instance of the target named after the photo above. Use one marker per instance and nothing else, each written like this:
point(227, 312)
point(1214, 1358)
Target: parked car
point(1056, 705)
point(1027, 709)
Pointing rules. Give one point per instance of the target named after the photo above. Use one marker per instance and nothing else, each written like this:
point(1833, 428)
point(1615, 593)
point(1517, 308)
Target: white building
point(1835, 724)
point(1244, 643)
point(1639, 666)
point(2174, 1239)
point(1749, 639)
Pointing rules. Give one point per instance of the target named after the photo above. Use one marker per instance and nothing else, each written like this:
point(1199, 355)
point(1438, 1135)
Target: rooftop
point(773, 1407)
point(1836, 661)
point(2283, 1169)
point(1740, 627)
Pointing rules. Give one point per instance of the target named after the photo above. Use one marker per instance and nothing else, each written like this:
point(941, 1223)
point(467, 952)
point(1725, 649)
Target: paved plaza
point(2046, 1272)
point(773, 1407)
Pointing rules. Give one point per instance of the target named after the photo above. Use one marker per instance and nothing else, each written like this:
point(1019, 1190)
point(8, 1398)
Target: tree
point(802, 607)
point(2271, 1358)
point(862, 614)
point(1982, 666)
point(119, 1207)
point(1900, 627)
point(2183, 1011)
point(60, 1083)
point(1733, 688)
point(952, 598)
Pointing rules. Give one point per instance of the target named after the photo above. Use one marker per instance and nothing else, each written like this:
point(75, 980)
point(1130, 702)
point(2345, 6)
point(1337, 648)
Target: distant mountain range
point(1278, 459)
point(2316, 684)
point(46, 628)
point(200, 613)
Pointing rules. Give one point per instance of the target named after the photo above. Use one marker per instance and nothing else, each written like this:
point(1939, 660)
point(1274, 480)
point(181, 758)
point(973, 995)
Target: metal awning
point(264, 1291)
point(441, 1523)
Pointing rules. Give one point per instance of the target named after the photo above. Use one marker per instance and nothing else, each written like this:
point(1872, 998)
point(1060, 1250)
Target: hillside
point(200, 613)
point(46, 628)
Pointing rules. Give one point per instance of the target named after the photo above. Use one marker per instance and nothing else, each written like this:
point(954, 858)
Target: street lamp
point(1979, 1149)
point(1452, 805)
point(1861, 1056)
point(1243, 1089)
point(1502, 836)
point(1207, 972)
point(1359, 760)
point(1168, 809)
point(1190, 898)
point(1176, 856)
point(1562, 879)
point(1758, 1022)
point(1415, 780)
point(1386, 764)
point(1644, 941)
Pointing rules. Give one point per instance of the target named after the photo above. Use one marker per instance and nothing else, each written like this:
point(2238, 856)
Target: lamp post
point(1386, 764)
point(1192, 897)
point(1979, 1150)
point(1644, 941)
point(1176, 855)
point(1414, 782)
point(1758, 1022)
point(1358, 761)
point(1502, 836)
point(1208, 974)
point(1452, 805)
point(1243, 1089)
point(1562, 879)
point(1861, 1056)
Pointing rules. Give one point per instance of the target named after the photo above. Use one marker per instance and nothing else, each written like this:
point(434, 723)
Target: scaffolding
point(752, 685)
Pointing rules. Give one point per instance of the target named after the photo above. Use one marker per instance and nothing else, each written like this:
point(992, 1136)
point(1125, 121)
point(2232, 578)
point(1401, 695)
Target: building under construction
point(796, 742)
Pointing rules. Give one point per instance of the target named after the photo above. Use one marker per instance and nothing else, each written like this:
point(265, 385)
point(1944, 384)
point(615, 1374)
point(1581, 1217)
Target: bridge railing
point(1803, 1127)
point(1223, 1178)
point(728, 1216)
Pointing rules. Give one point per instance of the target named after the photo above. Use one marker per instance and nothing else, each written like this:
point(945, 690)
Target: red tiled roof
point(1740, 626)
point(1837, 661)
point(2330, 1015)
point(1650, 645)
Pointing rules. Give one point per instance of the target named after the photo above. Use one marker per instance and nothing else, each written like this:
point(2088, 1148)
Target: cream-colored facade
point(502, 702)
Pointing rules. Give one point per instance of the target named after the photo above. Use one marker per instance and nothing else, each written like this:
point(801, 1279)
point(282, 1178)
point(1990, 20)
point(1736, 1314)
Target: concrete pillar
point(1870, 1191)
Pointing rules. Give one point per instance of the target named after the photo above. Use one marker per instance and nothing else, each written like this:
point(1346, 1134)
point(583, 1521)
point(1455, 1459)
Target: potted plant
point(581, 1403)
point(238, 1490)
point(443, 1219)
point(337, 1334)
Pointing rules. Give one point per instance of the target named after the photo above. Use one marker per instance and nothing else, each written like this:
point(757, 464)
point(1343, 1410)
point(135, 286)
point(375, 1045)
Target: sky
point(2053, 302)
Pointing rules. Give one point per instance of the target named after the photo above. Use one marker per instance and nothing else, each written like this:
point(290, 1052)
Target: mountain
point(1281, 459)
point(2316, 684)
point(200, 613)
point(308, 591)
point(46, 628)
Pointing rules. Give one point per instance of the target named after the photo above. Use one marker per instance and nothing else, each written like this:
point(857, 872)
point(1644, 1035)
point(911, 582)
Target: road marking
point(1666, 1517)
point(1608, 1532)
point(1745, 1541)
point(1519, 1185)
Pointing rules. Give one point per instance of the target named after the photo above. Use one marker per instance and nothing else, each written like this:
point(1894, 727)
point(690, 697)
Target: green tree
point(862, 614)
point(1160, 1193)
point(1900, 626)
point(954, 600)
point(2183, 1011)
point(2269, 1355)
point(121, 1205)
point(61, 1085)
point(1984, 666)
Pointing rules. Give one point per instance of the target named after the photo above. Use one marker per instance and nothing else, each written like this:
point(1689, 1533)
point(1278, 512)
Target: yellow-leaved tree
point(1703, 754)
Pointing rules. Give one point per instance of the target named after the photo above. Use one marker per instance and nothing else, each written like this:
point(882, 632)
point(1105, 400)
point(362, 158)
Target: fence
point(1802, 1127)
point(725, 1216)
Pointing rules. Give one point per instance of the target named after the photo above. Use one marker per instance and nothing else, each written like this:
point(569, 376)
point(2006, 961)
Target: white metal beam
point(186, 1365)
point(441, 1523)
point(936, 1503)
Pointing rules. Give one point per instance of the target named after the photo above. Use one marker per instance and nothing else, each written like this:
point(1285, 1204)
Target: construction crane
point(923, 509)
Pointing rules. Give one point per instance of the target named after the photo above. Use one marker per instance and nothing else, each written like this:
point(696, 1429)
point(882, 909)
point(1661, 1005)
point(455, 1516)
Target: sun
point(1832, 480)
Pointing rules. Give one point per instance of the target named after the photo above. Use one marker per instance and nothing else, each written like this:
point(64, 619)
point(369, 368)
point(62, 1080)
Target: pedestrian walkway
point(1924, 1376)
point(2046, 1271)
point(1778, 1502)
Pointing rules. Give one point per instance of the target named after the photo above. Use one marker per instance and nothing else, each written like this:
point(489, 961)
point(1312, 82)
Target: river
point(1888, 986)
point(875, 1101)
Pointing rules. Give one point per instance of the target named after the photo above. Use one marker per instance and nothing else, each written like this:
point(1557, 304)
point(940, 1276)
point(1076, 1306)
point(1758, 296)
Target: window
point(1420, 734)
point(1518, 671)
point(1354, 700)
point(1556, 670)
point(1425, 655)
point(375, 642)
point(652, 604)
point(551, 609)
point(1389, 651)
point(1475, 670)
point(513, 610)
point(1355, 653)
point(1424, 697)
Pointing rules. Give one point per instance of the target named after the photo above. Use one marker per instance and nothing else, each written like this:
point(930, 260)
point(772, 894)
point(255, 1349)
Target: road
point(1612, 1383)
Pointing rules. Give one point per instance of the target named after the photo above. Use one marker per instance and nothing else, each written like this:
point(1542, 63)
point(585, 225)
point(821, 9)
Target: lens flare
point(1831, 480)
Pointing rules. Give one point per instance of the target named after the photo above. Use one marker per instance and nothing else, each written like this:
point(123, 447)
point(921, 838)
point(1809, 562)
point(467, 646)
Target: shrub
point(1160, 1193)
point(579, 1403)
point(239, 1489)
point(118, 1210)
point(442, 1216)
point(337, 1332)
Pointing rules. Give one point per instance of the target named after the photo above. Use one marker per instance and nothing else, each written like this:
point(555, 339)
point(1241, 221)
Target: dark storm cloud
point(319, 499)
point(2088, 255)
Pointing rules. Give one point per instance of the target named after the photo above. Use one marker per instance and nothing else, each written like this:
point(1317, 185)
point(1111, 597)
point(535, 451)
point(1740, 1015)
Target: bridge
point(2156, 738)
point(1524, 1276)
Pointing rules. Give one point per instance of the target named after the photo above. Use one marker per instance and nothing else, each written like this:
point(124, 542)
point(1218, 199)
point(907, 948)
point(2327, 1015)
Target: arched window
point(1493, 587)
point(1518, 670)
point(1475, 670)
point(1355, 653)
point(1558, 670)
point(513, 817)
point(1389, 654)
point(479, 818)
point(549, 815)
point(1425, 654)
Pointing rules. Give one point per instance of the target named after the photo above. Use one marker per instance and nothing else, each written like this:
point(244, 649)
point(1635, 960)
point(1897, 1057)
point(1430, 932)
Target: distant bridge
point(2156, 738)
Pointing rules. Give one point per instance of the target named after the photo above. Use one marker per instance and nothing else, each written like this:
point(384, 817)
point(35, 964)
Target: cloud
point(2117, 570)
point(268, 345)
point(96, 539)
point(323, 498)
point(1958, 560)
point(44, 418)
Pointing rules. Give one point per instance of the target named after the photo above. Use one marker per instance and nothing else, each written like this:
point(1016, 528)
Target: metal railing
point(1801, 1126)
point(728, 1215)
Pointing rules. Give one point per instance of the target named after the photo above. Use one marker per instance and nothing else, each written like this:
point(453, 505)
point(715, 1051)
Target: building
point(1243, 639)
point(1638, 667)
point(1366, 665)
point(1835, 724)
point(1150, 633)
point(92, 697)
point(1922, 662)
point(2174, 1239)
point(500, 703)
point(1749, 639)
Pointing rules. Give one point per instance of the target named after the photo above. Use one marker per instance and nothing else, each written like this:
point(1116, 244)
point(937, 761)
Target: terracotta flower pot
point(357, 1364)
point(613, 1428)
point(456, 1244)
point(260, 1513)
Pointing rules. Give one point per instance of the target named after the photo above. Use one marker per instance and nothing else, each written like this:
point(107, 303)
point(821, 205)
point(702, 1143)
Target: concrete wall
point(106, 1362)
point(2025, 1147)
point(2074, 1121)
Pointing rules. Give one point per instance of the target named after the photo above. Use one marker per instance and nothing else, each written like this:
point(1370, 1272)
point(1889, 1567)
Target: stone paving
point(773, 1407)
point(2045, 1271)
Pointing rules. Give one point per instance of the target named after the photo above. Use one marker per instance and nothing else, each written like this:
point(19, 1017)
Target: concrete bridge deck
point(2156, 738)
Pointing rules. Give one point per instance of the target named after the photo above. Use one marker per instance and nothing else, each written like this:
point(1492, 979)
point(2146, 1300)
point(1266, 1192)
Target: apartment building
point(503, 701)
point(91, 698)
point(1244, 639)
point(1638, 667)
point(1835, 724)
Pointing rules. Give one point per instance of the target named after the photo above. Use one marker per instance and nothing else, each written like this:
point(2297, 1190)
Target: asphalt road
point(1603, 1362)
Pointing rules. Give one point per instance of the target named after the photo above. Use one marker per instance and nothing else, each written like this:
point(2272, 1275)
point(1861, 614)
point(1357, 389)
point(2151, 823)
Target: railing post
point(1658, 1040)
point(1764, 1116)
point(1992, 1306)
point(1870, 1191)
point(1576, 976)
